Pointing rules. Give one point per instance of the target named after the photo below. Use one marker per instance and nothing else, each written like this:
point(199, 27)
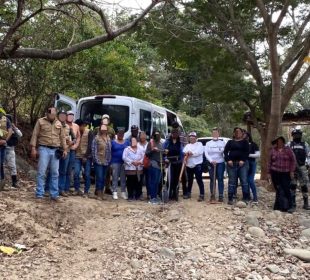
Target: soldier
point(49, 135)
point(301, 151)
point(5, 134)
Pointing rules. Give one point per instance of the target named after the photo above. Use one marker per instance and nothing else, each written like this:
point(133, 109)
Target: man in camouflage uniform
point(301, 151)
point(5, 134)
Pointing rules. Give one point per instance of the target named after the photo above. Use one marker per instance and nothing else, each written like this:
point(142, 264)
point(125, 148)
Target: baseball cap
point(70, 113)
point(193, 133)
point(105, 116)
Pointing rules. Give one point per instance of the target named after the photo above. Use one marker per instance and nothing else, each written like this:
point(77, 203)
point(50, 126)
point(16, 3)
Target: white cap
point(105, 116)
point(193, 133)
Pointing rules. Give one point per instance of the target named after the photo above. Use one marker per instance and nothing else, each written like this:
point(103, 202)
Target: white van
point(124, 111)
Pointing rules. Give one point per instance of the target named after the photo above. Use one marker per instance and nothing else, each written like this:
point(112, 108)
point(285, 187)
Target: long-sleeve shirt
point(282, 160)
point(129, 156)
point(214, 150)
point(254, 152)
point(96, 152)
point(48, 133)
point(155, 156)
point(175, 150)
point(236, 150)
point(196, 158)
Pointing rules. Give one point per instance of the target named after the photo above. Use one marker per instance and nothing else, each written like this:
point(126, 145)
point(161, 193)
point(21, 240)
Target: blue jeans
point(235, 172)
point(118, 171)
point(2, 158)
point(219, 176)
point(154, 180)
point(63, 167)
point(251, 176)
point(71, 163)
point(77, 170)
point(100, 176)
point(197, 171)
point(47, 159)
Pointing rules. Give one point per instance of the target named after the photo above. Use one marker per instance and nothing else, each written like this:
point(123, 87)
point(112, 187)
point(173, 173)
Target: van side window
point(145, 121)
point(63, 106)
point(160, 123)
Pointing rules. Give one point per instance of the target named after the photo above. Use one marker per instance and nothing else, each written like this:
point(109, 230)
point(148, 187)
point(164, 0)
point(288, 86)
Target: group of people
point(9, 137)
point(69, 149)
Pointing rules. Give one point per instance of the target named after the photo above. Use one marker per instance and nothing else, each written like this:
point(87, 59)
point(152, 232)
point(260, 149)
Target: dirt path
point(80, 238)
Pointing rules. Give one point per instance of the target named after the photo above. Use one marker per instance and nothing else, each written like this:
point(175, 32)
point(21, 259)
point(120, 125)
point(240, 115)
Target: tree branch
point(14, 26)
point(69, 50)
point(281, 16)
point(296, 47)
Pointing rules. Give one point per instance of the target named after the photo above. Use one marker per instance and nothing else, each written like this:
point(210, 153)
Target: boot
point(1, 185)
point(14, 181)
point(293, 207)
point(306, 203)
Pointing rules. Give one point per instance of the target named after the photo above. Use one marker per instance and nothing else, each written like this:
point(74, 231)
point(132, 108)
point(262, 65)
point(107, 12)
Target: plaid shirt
point(107, 158)
point(282, 161)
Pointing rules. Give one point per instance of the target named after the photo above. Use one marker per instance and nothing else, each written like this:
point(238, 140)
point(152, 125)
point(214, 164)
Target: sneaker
point(115, 195)
point(55, 199)
point(124, 195)
point(230, 202)
point(221, 199)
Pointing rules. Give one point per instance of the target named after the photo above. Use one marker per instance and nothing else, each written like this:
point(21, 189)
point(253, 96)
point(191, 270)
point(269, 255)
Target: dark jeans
point(70, 168)
point(100, 176)
point(77, 171)
point(134, 187)
point(174, 170)
point(63, 168)
point(219, 176)
point(197, 171)
point(235, 172)
point(281, 182)
point(251, 178)
point(2, 157)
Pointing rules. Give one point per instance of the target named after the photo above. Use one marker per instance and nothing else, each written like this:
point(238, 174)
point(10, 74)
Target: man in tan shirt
point(49, 136)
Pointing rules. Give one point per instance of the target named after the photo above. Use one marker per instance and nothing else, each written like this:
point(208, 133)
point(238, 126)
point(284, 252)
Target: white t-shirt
point(196, 157)
point(214, 150)
point(142, 147)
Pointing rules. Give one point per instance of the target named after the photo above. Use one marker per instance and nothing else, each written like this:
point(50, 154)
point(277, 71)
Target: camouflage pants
point(301, 180)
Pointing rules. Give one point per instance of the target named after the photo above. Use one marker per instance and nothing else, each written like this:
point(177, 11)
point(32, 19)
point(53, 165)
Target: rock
point(306, 233)
point(251, 220)
point(135, 264)
point(256, 214)
point(256, 232)
point(241, 204)
point(302, 254)
point(273, 268)
point(173, 216)
point(284, 272)
point(304, 222)
point(32, 174)
point(116, 214)
point(166, 252)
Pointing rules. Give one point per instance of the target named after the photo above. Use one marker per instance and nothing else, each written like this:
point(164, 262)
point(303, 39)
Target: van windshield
point(93, 111)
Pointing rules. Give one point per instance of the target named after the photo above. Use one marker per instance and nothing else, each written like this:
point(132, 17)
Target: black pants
point(281, 182)
point(134, 187)
point(173, 178)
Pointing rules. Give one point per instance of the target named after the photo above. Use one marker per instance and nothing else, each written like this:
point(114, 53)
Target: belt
point(49, 147)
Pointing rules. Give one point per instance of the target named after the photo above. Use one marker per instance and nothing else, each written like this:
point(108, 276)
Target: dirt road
point(80, 238)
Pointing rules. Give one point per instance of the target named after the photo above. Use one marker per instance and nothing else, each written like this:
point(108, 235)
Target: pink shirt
point(282, 161)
